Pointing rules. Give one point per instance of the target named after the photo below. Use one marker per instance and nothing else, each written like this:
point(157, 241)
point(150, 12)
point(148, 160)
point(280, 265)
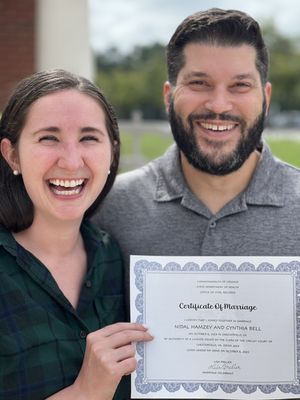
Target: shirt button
point(88, 284)
point(212, 224)
point(82, 334)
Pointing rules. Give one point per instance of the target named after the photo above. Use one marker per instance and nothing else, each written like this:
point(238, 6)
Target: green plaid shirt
point(42, 337)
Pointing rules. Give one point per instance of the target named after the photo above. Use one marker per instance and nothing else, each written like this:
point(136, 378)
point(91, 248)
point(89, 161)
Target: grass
point(286, 149)
point(152, 145)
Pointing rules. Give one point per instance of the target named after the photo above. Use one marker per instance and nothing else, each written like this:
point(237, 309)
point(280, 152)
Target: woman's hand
point(110, 354)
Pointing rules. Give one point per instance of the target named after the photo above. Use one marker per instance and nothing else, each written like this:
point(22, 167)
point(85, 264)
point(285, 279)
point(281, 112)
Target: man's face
point(218, 106)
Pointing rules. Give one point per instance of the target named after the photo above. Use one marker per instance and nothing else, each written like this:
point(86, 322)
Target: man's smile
point(216, 127)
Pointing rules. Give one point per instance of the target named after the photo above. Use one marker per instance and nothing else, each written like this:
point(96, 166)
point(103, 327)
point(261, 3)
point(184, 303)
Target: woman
point(61, 280)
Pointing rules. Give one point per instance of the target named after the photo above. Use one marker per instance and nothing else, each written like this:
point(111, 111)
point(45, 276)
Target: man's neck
point(216, 191)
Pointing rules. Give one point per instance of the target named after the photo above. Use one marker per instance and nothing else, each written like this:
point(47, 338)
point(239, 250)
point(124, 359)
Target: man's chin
point(214, 164)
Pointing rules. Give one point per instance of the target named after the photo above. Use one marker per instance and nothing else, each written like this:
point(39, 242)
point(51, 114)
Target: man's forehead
point(202, 59)
point(215, 48)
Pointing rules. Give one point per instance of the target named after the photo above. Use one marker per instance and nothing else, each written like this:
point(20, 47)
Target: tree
point(284, 68)
point(134, 81)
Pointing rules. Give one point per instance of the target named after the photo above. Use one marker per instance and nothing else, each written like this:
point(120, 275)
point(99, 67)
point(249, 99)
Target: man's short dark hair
point(217, 27)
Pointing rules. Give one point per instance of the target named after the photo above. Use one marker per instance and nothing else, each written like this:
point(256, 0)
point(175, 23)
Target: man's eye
point(197, 83)
point(242, 85)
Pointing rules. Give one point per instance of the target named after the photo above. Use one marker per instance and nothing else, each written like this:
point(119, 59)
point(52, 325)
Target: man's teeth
point(67, 183)
point(214, 127)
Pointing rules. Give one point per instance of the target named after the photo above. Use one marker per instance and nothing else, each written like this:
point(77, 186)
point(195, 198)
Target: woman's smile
point(67, 187)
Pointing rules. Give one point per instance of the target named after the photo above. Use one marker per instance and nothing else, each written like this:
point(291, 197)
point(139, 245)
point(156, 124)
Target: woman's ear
point(9, 154)
point(113, 151)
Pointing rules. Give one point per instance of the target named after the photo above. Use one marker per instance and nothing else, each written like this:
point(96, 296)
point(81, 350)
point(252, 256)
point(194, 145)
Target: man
point(218, 190)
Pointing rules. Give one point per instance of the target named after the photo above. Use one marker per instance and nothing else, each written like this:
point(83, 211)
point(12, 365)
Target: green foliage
point(286, 81)
point(134, 82)
point(284, 68)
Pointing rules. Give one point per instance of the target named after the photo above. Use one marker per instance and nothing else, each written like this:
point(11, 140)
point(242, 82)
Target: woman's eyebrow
point(92, 129)
point(53, 129)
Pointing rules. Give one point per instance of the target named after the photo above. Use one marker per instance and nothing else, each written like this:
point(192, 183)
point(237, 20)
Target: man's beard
point(223, 164)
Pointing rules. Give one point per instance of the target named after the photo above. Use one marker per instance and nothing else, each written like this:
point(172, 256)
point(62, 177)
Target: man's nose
point(219, 101)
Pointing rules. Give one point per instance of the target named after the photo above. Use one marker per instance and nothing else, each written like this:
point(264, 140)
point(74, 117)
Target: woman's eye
point(89, 138)
point(49, 138)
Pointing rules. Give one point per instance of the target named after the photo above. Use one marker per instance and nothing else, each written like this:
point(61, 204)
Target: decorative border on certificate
point(144, 269)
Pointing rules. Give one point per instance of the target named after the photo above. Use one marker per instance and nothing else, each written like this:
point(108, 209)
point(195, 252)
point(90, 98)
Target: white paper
point(223, 327)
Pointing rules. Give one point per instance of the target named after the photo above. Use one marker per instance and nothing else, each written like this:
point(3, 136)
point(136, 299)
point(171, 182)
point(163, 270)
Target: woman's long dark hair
point(16, 208)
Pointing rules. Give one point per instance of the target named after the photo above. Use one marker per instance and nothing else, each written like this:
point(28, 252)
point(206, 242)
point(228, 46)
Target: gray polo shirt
point(152, 211)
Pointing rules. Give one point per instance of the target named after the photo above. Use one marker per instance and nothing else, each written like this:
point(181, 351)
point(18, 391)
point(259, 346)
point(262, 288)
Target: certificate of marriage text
point(223, 327)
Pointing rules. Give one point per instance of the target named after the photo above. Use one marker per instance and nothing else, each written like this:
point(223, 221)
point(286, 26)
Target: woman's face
point(64, 154)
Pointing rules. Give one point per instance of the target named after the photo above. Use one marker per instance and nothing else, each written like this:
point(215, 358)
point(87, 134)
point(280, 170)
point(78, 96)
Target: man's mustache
point(214, 117)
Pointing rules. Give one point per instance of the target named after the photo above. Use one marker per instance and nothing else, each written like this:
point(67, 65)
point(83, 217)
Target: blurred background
point(120, 45)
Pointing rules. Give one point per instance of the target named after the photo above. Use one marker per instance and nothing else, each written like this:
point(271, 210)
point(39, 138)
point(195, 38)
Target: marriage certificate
point(223, 327)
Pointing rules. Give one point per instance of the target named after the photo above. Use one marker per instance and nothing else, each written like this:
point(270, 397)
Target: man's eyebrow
point(245, 76)
point(195, 74)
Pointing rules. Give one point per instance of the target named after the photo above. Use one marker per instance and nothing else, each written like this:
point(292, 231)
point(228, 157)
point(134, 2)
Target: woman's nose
point(71, 157)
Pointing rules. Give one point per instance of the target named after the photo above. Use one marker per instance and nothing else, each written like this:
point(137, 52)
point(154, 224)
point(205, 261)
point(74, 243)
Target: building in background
point(62, 36)
point(17, 48)
point(42, 34)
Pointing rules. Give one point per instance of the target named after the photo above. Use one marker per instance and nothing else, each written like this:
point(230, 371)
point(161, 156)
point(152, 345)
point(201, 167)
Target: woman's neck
point(58, 238)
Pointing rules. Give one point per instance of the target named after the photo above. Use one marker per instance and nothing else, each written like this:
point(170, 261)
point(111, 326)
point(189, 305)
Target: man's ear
point(167, 90)
point(268, 94)
point(9, 154)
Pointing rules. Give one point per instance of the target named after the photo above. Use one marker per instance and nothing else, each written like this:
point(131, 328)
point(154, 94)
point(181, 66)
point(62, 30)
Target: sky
point(126, 23)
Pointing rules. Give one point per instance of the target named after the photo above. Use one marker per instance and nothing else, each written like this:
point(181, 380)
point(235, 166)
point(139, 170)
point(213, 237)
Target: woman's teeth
point(64, 187)
point(66, 183)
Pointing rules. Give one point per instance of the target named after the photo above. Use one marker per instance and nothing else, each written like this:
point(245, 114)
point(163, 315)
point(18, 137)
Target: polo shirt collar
point(265, 187)
point(170, 180)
